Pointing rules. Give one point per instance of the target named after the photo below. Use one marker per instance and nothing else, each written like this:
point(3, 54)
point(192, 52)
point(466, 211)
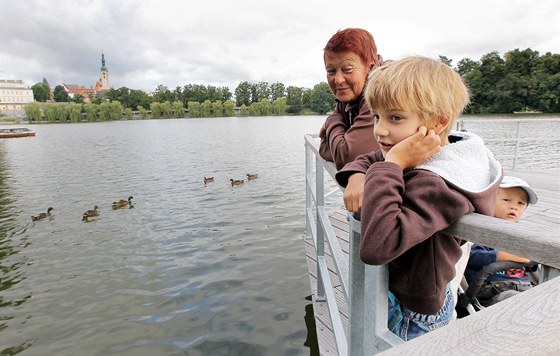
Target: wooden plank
point(526, 324)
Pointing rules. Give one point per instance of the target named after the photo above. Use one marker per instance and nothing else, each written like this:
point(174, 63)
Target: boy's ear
point(441, 125)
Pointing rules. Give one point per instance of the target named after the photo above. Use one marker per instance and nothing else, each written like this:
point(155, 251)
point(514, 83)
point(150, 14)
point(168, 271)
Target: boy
point(420, 182)
point(512, 200)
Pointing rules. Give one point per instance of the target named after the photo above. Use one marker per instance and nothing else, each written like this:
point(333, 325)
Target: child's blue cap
point(511, 182)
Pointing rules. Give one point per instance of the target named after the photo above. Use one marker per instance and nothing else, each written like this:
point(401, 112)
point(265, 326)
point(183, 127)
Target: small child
point(512, 200)
point(421, 181)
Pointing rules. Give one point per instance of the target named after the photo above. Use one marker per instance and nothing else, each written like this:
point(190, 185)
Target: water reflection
point(12, 261)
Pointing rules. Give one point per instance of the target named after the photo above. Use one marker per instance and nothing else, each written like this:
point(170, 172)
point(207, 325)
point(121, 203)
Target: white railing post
point(368, 302)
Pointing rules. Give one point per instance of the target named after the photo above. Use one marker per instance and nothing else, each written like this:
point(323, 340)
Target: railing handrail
point(363, 283)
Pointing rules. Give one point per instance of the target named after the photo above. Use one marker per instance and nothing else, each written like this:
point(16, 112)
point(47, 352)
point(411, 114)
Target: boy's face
point(510, 203)
point(393, 126)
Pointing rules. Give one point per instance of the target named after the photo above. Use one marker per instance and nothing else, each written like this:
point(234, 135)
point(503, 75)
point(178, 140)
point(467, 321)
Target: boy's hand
point(415, 149)
point(354, 192)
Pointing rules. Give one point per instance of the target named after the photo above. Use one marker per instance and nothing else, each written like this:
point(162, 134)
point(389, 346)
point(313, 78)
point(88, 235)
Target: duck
point(91, 213)
point(122, 203)
point(252, 176)
point(208, 179)
point(42, 215)
point(236, 181)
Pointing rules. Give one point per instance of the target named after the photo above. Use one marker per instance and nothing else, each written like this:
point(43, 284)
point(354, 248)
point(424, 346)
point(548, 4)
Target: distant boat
point(16, 132)
point(528, 111)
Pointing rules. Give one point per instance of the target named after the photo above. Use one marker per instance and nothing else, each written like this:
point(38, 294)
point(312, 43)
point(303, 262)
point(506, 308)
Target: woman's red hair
point(354, 40)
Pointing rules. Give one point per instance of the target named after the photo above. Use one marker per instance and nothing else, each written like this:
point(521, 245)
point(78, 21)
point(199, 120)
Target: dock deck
point(544, 329)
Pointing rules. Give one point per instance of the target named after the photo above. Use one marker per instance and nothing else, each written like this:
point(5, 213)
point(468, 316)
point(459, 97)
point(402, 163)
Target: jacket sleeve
point(481, 256)
point(399, 214)
point(342, 144)
point(359, 165)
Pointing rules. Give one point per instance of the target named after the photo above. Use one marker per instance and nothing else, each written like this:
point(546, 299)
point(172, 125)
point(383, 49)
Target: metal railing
point(359, 282)
point(520, 142)
point(365, 287)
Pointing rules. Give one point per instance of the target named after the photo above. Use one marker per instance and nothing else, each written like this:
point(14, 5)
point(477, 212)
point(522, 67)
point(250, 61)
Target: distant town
point(14, 94)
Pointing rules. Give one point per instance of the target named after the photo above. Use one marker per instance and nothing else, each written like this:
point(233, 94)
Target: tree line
point(518, 80)
point(252, 99)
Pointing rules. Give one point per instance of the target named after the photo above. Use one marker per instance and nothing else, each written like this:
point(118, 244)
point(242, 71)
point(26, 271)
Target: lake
point(191, 269)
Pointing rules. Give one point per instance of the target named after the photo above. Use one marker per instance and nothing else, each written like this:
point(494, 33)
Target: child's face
point(393, 126)
point(510, 203)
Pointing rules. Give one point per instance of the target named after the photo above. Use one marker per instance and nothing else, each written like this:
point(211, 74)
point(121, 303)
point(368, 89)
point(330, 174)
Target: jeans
point(408, 324)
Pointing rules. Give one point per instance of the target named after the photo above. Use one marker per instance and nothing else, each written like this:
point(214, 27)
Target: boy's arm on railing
point(537, 245)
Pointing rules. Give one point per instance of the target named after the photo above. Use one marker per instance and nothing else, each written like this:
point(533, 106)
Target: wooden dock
point(544, 330)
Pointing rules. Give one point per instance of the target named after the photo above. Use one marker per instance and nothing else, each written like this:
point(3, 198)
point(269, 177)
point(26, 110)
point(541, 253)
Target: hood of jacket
point(466, 163)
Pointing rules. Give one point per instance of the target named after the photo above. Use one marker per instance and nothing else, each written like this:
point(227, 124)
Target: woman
point(349, 56)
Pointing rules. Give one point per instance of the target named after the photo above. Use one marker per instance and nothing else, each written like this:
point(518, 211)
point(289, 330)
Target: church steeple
point(103, 67)
point(104, 79)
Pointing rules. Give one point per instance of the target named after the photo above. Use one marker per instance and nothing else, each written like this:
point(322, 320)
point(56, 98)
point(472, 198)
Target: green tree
point(206, 108)
point(74, 112)
point(446, 60)
point(279, 106)
point(224, 93)
point(178, 109)
point(41, 92)
point(104, 111)
point(218, 108)
point(78, 98)
point(229, 108)
point(33, 111)
point(60, 94)
point(143, 112)
point(116, 110)
point(262, 91)
point(128, 113)
point(163, 94)
point(322, 99)
point(91, 111)
point(294, 99)
point(243, 94)
point(166, 110)
point(62, 112)
point(195, 109)
point(244, 110)
point(156, 109)
point(50, 112)
point(277, 90)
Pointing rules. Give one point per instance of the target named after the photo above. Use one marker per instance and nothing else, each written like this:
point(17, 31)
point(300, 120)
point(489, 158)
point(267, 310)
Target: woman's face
point(346, 75)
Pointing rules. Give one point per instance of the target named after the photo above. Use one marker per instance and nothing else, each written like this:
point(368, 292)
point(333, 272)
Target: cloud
point(221, 43)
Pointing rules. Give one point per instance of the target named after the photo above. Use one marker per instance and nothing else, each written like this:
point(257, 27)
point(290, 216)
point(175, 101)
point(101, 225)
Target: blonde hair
point(423, 85)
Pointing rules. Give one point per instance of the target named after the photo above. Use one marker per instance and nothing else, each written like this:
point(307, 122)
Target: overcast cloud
point(221, 43)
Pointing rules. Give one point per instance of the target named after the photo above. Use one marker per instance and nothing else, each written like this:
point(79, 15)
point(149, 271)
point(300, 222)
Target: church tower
point(104, 79)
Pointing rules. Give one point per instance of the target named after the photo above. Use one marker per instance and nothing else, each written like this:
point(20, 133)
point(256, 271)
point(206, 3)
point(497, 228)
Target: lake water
point(192, 269)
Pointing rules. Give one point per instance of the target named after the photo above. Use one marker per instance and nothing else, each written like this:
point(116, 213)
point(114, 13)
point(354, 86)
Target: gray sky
point(221, 43)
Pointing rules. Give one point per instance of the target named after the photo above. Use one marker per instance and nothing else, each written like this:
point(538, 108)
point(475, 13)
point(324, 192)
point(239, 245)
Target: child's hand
point(415, 149)
point(354, 192)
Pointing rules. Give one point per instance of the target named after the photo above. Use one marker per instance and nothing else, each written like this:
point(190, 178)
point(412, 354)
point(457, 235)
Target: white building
point(13, 97)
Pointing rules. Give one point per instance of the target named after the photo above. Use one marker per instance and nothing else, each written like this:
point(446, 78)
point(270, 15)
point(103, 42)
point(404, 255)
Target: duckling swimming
point(236, 181)
point(122, 203)
point(252, 176)
point(91, 213)
point(208, 179)
point(42, 215)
